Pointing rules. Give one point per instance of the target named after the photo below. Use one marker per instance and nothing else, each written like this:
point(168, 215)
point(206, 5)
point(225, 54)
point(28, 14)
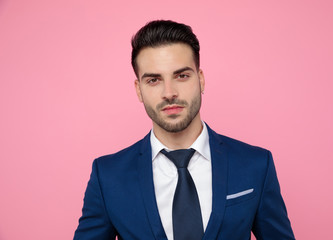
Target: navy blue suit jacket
point(120, 198)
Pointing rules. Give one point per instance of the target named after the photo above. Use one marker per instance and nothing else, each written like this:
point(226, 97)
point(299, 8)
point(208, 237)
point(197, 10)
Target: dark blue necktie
point(186, 213)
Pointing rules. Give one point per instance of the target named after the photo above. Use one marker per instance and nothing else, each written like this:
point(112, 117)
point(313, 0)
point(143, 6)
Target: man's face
point(169, 86)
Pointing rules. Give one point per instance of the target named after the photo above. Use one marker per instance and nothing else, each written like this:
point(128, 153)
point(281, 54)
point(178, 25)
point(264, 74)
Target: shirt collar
point(201, 144)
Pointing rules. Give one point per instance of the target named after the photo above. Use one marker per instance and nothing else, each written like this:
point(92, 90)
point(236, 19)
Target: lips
point(173, 109)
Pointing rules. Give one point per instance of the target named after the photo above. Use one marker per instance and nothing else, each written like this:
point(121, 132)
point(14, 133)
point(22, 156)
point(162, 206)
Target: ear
point(202, 80)
point(137, 89)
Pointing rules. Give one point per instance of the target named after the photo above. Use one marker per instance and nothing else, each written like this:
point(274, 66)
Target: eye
point(183, 76)
point(152, 81)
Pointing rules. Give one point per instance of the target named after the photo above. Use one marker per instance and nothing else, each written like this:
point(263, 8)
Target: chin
point(175, 127)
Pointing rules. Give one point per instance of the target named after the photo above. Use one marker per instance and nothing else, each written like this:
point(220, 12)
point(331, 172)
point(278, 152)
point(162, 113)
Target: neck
point(179, 140)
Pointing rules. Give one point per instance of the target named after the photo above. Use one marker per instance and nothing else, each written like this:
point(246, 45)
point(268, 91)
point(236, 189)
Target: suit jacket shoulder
point(241, 153)
point(125, 153)
point(245, 182)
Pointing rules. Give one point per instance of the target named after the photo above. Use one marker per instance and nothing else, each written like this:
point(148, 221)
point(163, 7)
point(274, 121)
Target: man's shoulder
point(127, 153)
point(235, 145)
point(243, 157)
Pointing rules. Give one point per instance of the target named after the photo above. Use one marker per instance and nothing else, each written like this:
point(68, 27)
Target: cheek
point(193, 90)
point(150, 96)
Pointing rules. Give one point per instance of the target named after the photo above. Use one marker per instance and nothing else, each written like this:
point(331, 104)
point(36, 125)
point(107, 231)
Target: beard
point(193, 110)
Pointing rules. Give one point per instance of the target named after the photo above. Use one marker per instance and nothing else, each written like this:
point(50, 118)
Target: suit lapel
point(219, 158)
point(147, 188)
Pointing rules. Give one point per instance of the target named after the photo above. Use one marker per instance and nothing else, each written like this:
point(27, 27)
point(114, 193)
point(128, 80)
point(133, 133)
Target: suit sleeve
point(271, 221)
point(94, 222)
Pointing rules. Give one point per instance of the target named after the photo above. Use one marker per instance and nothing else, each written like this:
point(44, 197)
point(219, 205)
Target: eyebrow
point(155, 75)
point(182, 70)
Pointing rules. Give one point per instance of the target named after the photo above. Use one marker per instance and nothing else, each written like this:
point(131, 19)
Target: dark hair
point(162, 32)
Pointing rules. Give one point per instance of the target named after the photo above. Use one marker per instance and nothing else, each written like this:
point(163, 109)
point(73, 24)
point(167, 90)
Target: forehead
point(165, 58)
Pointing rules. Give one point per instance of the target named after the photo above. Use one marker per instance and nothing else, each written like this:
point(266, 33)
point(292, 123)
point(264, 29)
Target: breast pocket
point(239, 197)
point(240, 211)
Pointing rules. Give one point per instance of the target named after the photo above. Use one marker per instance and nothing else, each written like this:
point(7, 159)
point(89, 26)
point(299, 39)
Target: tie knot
point(180, 157)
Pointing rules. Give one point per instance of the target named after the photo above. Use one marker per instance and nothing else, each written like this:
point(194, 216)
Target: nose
point(169, 91)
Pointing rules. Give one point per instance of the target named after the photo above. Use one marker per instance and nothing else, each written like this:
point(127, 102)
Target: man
point(226, 188)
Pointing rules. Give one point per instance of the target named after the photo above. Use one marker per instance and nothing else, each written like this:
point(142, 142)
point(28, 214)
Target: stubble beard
point(193, 111)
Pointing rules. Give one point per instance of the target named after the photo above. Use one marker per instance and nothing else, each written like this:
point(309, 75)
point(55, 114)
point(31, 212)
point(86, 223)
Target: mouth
point(173, 109)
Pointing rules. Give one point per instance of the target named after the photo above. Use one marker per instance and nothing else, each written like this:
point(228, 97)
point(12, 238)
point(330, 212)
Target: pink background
point(67, 96)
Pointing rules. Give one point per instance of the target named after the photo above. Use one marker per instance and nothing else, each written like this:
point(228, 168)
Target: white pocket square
point(239, 194)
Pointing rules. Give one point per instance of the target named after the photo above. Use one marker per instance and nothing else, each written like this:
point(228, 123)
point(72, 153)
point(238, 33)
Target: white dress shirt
point(166, 176)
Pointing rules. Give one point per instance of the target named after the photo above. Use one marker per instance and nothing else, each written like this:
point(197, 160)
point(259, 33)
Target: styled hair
point(164, 32)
